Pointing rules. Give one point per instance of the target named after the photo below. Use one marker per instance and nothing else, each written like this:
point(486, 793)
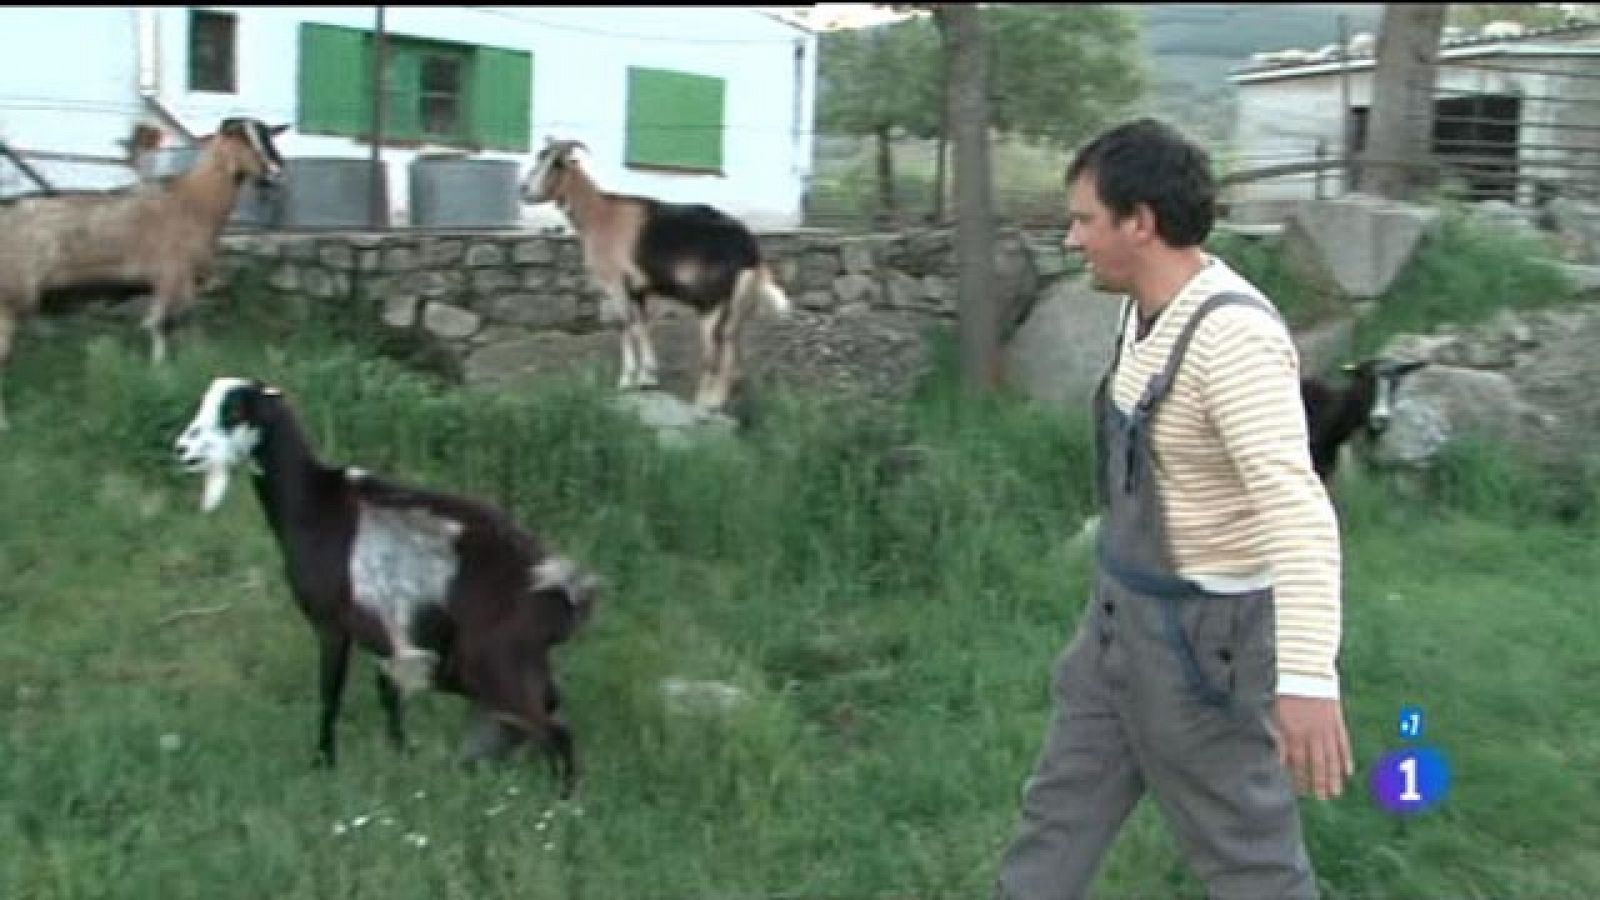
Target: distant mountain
point(1233, 31)
point(1193, 47)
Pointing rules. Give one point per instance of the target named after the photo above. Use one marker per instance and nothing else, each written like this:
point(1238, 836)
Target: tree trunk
point(886, 208)
point(1400, 125)
point(961, 28)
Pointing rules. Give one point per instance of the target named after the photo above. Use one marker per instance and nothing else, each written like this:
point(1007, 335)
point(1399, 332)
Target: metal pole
point(1345, 113)
point(24, 168)
point(378, 211)
point(1322, 154)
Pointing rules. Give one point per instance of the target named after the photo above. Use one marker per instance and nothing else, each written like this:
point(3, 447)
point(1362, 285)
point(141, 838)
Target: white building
point(1514, 111)
point(693, 103)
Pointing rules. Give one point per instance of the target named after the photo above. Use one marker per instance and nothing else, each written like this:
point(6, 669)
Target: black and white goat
point(1333, 414)
point(447, 591)
point(158, 237)
point(638, 246)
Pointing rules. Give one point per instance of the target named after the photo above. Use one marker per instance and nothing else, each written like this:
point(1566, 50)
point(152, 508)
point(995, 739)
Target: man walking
point(1203, 668)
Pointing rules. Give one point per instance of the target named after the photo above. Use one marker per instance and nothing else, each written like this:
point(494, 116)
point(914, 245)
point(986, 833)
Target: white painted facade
point(70, 82)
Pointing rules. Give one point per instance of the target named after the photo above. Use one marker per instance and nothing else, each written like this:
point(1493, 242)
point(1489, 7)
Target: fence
point(1521, 130)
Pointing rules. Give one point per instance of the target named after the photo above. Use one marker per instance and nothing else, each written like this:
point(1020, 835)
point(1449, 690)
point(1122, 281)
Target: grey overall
point(1165, 685)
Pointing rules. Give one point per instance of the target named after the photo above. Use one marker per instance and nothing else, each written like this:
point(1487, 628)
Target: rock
point(1360, 243)
point(450, 322)
point(1060, 353)
point(675, 422)
point(684, 696)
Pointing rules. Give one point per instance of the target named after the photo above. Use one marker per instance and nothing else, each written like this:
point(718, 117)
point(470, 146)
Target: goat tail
point(762, 286)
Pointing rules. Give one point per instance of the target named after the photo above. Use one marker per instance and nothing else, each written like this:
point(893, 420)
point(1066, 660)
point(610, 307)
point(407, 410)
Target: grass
point(1466, 273)
point(892, 624)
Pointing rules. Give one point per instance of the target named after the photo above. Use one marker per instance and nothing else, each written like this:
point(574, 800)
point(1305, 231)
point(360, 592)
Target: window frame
point(230, 51)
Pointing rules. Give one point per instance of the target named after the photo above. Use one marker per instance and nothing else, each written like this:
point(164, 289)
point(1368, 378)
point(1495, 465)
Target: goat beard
point(216, 487)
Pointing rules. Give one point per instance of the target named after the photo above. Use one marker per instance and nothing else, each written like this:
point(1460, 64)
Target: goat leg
point(630, 366)
point(155, 325)
point(644, 348)
point(490, 739)
point(615, 306)
point(335, 651)
point(8, 328)
point(394, 712)
point(563, 761)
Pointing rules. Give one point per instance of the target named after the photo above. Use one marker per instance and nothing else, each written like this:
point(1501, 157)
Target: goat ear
point(278, 129)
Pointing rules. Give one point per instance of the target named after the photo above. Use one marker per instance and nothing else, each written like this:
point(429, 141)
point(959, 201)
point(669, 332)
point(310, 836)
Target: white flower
point(171, 742)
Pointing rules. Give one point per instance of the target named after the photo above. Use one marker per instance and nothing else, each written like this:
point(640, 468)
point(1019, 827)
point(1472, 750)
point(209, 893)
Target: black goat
point(1333, 414)
point(448, 591)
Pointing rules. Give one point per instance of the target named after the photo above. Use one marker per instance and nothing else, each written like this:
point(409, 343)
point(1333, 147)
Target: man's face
point(1106, 244)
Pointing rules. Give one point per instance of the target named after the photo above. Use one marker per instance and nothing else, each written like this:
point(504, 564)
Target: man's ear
point(1144, 221)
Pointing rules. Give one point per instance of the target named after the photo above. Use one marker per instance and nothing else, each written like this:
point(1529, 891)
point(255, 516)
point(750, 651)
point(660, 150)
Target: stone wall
point(508, 306)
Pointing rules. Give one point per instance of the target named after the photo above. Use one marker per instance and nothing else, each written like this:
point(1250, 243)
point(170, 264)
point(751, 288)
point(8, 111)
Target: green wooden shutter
point(335, 80)
point(501, 98)
point(674, 119)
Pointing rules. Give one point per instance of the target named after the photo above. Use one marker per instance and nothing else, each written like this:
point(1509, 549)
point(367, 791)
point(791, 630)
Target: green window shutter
point(501, 98)
point(674, 119)
point(402, 110)
point(335, 80)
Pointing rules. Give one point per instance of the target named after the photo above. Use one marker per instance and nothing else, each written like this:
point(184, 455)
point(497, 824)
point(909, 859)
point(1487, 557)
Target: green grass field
point(892, 627)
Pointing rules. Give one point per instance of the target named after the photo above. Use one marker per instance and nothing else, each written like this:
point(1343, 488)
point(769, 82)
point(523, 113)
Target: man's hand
point(1313, 744)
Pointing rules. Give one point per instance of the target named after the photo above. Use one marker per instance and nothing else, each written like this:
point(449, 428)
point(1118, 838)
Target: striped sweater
point(1244, 506)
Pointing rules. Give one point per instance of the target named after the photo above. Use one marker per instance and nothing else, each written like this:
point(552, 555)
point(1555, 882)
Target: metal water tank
point(328, 192)
point(454, 191)
point(253, 208)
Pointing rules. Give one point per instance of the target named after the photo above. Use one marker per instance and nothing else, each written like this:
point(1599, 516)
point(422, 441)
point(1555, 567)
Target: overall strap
point(1122, 333)
point(1161, 383)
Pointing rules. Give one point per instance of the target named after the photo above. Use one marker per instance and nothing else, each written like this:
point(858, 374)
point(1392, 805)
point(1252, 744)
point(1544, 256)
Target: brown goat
point(158, 237)
point(638, 246)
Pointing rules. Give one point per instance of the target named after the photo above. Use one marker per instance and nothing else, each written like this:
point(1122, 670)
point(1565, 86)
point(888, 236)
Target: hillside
point(1193, 47)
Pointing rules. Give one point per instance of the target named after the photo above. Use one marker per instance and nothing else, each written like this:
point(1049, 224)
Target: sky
point(828, 16)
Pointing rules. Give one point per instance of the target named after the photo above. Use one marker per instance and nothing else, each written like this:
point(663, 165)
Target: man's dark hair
point(1146, 161)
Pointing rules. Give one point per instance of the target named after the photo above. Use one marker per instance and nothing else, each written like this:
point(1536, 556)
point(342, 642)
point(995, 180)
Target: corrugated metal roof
point(1463, 48)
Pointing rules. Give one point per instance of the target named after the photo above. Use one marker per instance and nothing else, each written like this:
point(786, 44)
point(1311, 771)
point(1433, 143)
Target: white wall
point(67, 85)
point(580, 60)
point(1281, 122)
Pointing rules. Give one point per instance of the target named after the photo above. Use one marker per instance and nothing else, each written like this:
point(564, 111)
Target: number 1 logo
point(1411, 781)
